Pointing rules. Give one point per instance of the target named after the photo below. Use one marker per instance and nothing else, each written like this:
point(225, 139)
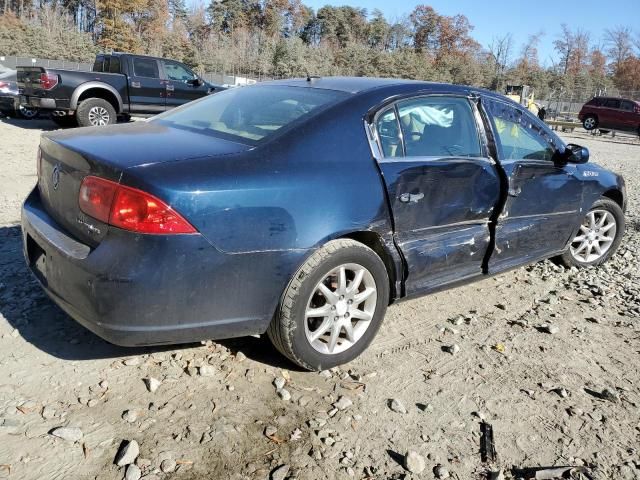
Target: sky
point(495, 18)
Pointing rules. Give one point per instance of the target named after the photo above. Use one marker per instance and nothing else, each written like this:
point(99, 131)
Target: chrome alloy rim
point(340, 309)
point(28, 112)
point(590, 123)
point(98, 116)
point(596, 235)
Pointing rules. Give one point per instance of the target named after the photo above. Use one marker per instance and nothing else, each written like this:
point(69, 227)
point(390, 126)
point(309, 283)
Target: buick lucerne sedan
point(303, 208)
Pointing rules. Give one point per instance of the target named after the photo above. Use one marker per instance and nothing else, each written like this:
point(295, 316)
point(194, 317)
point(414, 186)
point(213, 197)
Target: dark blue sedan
point(303, 208)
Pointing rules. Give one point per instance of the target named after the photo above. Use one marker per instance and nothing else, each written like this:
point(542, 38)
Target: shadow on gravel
point(43, 123)
point(43, 324)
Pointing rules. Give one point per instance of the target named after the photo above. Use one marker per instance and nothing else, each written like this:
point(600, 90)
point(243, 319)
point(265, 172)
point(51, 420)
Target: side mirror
point(574, 154)
point(196, 82)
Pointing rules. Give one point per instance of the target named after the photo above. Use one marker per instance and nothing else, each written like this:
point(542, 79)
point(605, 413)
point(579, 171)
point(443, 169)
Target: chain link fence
point(565, 105)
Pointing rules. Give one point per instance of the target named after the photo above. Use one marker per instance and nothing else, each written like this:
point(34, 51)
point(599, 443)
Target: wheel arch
point(615, 195)
point(96, 90)
point(376, 243)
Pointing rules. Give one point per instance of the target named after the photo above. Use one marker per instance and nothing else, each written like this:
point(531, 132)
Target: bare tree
point(619, 45)
point(500, 51)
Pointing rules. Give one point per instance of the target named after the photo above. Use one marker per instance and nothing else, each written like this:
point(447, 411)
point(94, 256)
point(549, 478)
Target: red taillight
point(4, 84)
point(129, 208)
point(48, 80)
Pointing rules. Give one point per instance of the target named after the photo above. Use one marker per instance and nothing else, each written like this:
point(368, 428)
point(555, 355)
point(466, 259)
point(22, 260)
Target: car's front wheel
point(332, 307)
point(590, 122)
point(599, 235)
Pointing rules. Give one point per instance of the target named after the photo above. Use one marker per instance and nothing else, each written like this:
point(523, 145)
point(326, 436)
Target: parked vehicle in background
point(302, 208)
point(9, 98)
point(611, 114)
point(119, 85)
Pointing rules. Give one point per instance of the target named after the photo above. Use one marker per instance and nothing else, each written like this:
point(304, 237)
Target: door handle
point(170, 88)
point(135, 84)
point(411, 197)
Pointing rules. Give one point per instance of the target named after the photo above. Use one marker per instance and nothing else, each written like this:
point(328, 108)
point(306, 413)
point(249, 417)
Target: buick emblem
point(55, 177)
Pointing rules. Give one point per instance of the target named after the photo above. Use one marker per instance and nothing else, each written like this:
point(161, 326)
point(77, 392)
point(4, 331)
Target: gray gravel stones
point(130, 416)
point(133, 473)
point(70, 434)
point(452, 349)
point(343, 403)
point(152, 384)
point(279, 383)
point(280, 473)
point(168, 465)
point(414, 462)
point(284, 394)
point(207, 371)
point(127, 453)
point(441, 472)
point(397, 406)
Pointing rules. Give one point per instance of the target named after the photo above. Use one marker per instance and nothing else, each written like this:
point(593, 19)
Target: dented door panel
point(445, 234)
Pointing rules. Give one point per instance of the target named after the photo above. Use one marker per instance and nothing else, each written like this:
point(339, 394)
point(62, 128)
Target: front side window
point(145, 67)
point(389, 133)
point(175, 71)
point(439, 127)
point(612, 103)
point(520, 136)
point(250, 114)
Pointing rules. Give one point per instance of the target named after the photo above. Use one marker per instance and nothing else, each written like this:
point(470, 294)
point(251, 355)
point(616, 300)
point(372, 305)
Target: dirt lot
point(568, 398)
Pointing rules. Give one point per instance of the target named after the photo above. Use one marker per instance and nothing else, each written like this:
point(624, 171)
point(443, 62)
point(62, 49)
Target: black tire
point(590, 122)
point(93, 108)
point(569, 260)
point(287, 329)
point(67, 121)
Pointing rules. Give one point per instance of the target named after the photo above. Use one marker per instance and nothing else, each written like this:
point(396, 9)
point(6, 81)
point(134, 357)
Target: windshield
point(250, 114)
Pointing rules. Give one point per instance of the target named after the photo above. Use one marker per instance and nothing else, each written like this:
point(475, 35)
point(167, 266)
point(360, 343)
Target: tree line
point(282, 38)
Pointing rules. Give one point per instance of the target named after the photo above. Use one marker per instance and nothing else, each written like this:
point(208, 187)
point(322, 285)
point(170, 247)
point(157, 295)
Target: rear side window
point(438, 127)
point(98, 63)
point(250, 114)
point(115, 65)
point(145, 67)
point(611, 103)
point(389, 133)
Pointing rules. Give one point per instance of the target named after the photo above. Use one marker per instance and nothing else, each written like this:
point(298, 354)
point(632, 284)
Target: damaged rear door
point(442, 186)
point(541, 209)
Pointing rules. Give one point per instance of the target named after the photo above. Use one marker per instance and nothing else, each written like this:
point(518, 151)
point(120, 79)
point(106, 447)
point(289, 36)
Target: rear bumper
point(45, 103)
point(147, 289)
point(9, 104)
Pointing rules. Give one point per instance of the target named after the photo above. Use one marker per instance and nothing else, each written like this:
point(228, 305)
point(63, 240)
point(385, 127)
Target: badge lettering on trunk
point(55, 177)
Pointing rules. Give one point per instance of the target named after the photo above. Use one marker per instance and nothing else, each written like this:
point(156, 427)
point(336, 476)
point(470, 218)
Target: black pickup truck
point(120, 85)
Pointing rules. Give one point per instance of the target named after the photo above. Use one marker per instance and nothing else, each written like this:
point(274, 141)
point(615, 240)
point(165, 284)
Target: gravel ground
point(406, 409)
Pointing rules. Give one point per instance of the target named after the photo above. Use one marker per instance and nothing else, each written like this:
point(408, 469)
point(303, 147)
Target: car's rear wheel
point(333, 306)
point(96, 112)
point(27, 113)
point(599, 235)
point(590, 122)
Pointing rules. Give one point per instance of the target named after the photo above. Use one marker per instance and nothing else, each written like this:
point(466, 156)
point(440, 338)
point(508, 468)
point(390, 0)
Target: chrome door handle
point(170, 88)
point(411, 197)
point(135, 84)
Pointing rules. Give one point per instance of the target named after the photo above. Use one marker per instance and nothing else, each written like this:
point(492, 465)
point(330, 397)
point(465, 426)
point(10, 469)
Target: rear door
point(146, 88)
point(542, 206)
point(610, 114)
point(442, 186)
point(629, 117)
point(182, 85)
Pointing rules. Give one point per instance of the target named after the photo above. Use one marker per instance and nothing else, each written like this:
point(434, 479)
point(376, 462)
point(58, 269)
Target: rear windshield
point(250, 114)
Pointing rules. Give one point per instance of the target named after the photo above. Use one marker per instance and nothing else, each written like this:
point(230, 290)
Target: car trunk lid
point(67, 157)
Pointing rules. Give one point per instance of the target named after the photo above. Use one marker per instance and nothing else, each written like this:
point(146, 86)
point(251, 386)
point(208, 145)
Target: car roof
point(356, 84)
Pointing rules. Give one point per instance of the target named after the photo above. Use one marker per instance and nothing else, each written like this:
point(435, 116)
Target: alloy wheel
point(590, 123)
point(595, 237)
point(27, 112)
point(98, 116)
point(340, 309)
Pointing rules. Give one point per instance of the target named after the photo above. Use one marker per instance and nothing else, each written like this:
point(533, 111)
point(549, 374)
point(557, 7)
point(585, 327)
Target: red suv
point(611, 113)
